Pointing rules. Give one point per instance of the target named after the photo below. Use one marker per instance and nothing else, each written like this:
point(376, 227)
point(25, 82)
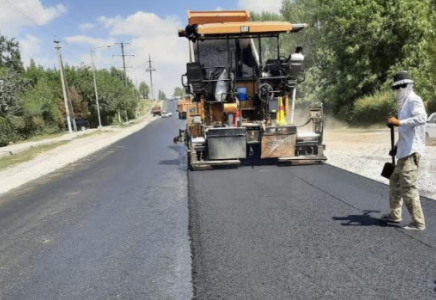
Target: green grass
point(42, 137)
point(144, 106)
point(12, 160)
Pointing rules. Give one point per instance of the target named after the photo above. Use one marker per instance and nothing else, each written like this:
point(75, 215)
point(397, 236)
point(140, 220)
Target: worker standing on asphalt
point(410, 147)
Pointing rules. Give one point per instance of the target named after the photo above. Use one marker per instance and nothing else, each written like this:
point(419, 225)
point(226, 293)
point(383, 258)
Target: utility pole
point(123, 55)
point(61, 70)
point(95, 84)
point(96, 91)
point(138, 98)
point(151, 69)
point(70, 102)
point(124, 60)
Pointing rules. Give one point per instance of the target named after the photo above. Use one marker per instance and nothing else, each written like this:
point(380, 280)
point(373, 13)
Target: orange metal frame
point(207, 17)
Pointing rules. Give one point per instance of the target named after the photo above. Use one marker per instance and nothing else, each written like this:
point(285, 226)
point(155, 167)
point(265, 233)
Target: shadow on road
point(364, 219)
point(181, 161)
point(170, 162)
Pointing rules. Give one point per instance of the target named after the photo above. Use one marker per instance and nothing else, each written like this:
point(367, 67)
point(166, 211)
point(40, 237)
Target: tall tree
point(161, 95)
point(10, 56)
point(179, 92)
point(144, 90)
point(354, 47)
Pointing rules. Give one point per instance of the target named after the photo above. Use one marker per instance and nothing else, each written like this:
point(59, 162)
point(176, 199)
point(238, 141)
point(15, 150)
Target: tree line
point(31, 98)
point(353, 48)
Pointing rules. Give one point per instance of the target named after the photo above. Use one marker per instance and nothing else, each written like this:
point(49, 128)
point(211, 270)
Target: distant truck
point(182, 107)
point(156, 111)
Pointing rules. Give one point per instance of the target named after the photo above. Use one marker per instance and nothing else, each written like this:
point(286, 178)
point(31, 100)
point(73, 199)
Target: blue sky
point(149, 26)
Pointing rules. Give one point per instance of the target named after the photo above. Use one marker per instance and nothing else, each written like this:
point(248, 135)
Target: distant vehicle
point(81, 124)
point(182, 107)
point(156, 111)
point(430, 135)
point(166, 114)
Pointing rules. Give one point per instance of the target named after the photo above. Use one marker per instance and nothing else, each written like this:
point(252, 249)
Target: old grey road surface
point(306, 232)
point(114, 226)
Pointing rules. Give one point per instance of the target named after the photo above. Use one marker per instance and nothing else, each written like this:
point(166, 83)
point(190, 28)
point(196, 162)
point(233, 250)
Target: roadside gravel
point(364, 152)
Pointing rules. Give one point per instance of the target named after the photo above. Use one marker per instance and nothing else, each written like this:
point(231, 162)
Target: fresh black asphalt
point(113, 226)
point(303, 232)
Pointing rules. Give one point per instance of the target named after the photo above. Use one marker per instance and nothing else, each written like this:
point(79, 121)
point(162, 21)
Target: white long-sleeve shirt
point(413, 118)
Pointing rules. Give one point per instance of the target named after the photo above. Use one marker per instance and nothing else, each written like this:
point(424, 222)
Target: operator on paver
point(298, 55)
point(403, 183)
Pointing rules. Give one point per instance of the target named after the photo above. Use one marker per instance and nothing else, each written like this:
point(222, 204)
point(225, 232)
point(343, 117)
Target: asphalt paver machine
point(244, 93)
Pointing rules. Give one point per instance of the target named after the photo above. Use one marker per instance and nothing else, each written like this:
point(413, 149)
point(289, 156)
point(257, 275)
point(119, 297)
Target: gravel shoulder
point(364, 152)
point(78, 148)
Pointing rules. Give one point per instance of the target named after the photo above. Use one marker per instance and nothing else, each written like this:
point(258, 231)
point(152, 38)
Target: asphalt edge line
point(195, 243)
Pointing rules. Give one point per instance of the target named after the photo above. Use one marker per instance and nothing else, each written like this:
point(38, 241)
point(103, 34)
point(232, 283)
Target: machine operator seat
point(196, 74)
point(295, 67)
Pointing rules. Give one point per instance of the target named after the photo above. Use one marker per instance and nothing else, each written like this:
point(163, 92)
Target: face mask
point(401, 96)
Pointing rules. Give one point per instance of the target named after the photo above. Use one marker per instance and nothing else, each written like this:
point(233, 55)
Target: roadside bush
point(13, 128)
point(34, 126)
point(6, 132)
point(374, 109)
point(431, 107)
point(52, 129)
point(18, 125)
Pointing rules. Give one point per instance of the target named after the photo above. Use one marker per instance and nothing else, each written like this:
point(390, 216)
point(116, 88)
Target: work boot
point(412, 226)
point(388, 219)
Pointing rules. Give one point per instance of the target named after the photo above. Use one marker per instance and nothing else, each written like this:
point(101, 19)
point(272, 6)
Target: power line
point(31, 19)
point(82, 11)
point(44, 28)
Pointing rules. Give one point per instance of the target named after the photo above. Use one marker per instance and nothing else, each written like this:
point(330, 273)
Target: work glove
point(393, 152)
point(393, 121)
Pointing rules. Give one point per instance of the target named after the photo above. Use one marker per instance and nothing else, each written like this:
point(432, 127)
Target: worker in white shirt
point(410, 147)
point(298, 55)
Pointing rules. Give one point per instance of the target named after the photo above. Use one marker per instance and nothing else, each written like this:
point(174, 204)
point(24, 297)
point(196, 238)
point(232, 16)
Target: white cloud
point(261, 5)
point(89, 41)
point(108, 22)
point(140, 24)
point(86, 26)
point(219, 8)
point(22, 12)
point(147, 34)
point(30, 48)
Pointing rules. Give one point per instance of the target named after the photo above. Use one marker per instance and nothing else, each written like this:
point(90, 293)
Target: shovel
point(388, 168)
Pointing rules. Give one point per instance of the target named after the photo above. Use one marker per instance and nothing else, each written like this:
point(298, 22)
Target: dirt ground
point(357, 138)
